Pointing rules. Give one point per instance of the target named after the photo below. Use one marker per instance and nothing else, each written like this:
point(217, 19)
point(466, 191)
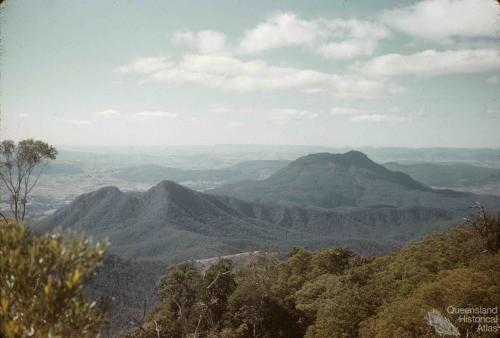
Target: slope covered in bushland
point(347, 180)
point(337, 293)
point(172, 222)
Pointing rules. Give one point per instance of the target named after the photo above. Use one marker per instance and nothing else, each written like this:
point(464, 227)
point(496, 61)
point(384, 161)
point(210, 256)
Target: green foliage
point(250, 302)
point(162, 318)
point(41, 280)
point(217, 285)
point(332, 261)
point(17, 171)
point(179, 288)
point(461, 287)
point(329, 181)
point(336, 293)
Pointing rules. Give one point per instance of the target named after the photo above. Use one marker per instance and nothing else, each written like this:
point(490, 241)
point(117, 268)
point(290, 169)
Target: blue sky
point(337, 73)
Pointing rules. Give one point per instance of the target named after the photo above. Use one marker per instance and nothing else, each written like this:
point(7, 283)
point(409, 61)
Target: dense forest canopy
point(337, 293)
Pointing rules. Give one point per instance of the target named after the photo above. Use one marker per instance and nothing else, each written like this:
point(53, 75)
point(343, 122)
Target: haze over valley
point(236, 169)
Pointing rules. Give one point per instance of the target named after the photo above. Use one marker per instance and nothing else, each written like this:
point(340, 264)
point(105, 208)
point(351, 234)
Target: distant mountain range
point(427, 169)
point(171, 222)
point(243, 171)
point(319, 200)
point(347, 180)
point(316, 201)
point(448, 174)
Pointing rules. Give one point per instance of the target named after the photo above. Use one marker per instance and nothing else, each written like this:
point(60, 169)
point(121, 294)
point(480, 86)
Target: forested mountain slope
point(337, 293)
point(347, 180)
point(172, 222)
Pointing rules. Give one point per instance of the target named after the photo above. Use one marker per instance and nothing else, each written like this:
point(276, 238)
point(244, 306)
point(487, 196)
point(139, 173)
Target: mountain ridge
point(345, 180)
point(170, 221)
point(316, 201)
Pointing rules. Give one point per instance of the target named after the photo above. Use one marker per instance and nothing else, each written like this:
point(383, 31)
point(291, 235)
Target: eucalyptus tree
point(21, 165)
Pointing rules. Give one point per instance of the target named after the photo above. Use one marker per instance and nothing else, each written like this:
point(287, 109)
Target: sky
point(334, 73)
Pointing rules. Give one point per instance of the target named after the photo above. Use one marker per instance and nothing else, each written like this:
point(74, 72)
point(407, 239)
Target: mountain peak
point(168, 185)
point(168, 189)
point(106, 191)
point(331, 180)
point(356, 155)
point(350, 158)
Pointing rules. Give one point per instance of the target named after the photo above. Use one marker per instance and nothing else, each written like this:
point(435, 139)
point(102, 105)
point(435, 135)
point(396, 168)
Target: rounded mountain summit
point(342, 180)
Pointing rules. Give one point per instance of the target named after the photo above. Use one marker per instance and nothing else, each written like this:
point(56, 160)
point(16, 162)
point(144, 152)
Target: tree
point(291, 276)
point(41, 281)
point(460, 287)
point(254, 309)
point(337, 293)
point(179, 288)
point(487, 228)
point(18, 174)
point(217, 286)
point(340, 315)
point(334, 260)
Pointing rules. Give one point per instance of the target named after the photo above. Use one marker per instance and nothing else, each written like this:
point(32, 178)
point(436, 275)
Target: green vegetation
point(41, 277)
point(41, 281)
point(335, 292)
point(346, 180)
point(18, 172)
point(170, 223)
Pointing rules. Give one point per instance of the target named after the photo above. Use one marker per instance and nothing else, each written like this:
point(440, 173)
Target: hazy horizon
point(340, 147)
point(336, 74)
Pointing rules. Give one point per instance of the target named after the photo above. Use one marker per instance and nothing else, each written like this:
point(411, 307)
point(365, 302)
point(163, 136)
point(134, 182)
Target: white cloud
point(108, 113)
point(360, 115)
point(22, 116)
point(156, 114)
point(347, 49)
point(345, 39)
point(205, 42)
point(495, 79)
point(281, 30)
point(288, 115)
point(380, 118)
point(336, 38)
point(439, 20)
point(145, 65)
point(432, 62)
point(230, 73)
point(346, 111)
